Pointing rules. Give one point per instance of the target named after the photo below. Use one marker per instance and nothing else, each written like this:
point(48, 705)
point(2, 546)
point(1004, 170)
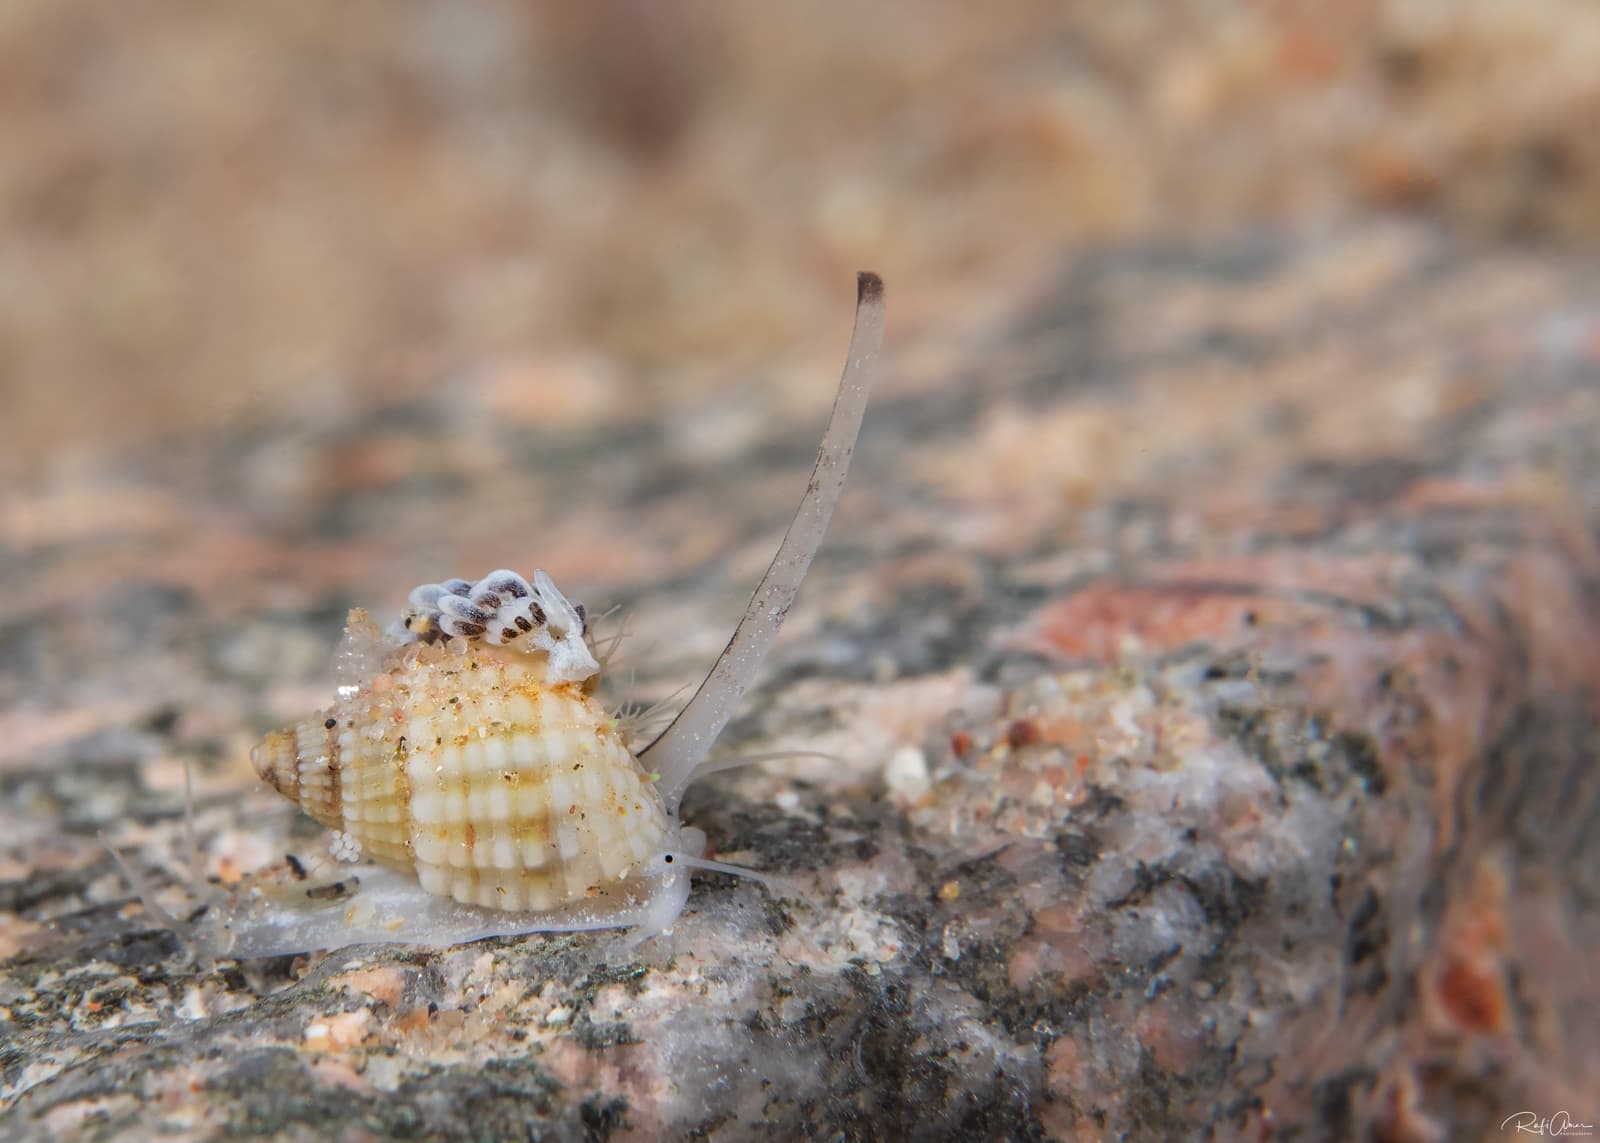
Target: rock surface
point(1208, 649)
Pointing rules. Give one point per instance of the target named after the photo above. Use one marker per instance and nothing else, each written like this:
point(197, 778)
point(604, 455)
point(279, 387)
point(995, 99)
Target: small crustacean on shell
point(468, 757)
point(504, 610)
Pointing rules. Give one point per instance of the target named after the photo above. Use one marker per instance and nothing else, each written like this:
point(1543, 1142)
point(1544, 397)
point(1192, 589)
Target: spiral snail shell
point(487, 769)
point(467, 755)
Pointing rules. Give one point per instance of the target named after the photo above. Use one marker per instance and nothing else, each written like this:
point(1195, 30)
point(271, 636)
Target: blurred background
point(210, 213)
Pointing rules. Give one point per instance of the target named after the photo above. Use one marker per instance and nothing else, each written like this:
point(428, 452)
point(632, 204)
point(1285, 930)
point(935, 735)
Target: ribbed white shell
point(461, 763)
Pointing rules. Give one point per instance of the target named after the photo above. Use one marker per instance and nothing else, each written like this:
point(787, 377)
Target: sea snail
point(467, 756)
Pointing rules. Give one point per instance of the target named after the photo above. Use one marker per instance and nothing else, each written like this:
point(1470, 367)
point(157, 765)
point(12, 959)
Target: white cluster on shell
point(504, 609)
point(344, 847)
